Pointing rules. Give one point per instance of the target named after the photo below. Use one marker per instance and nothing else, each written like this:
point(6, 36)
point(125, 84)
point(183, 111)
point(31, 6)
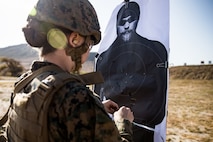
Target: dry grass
point(190, 115)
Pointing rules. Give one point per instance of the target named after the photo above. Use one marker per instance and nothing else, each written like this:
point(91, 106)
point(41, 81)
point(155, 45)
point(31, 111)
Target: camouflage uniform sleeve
point(125, 130)
point(76, 115)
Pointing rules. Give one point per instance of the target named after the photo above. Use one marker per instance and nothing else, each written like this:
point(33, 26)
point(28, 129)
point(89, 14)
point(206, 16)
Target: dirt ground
point(190, 109)
point(6, 85)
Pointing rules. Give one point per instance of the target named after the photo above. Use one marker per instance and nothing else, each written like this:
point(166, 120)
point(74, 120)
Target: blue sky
point(191, 26)
point(191, 31)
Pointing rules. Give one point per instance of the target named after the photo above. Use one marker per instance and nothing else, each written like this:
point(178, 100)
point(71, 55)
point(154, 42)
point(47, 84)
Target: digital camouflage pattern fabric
point(79, 14)
point(74, 114)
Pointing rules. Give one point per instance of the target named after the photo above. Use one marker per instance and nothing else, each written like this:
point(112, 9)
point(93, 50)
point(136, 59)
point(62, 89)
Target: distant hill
point(25, 54)
point(22, 53)
point(194, 72)
point(19, 51)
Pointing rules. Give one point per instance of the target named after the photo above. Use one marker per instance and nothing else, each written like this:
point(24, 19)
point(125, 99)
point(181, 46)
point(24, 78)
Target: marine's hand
point(124, 113)
point(110, 106)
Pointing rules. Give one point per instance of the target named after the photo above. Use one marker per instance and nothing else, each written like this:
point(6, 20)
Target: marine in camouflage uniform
point(75, 113)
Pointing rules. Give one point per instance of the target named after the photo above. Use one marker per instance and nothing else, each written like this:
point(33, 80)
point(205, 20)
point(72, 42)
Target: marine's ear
point(76, 40)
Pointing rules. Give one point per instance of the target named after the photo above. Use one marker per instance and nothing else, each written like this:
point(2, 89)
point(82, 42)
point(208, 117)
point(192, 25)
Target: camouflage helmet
point(75, 15)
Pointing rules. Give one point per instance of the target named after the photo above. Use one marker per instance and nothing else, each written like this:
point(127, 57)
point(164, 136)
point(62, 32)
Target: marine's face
point(126, 26)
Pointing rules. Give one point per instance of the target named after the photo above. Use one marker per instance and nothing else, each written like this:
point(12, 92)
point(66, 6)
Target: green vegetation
point(10, 67)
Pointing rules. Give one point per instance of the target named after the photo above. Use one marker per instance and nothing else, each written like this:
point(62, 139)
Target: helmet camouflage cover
point(75, 15)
